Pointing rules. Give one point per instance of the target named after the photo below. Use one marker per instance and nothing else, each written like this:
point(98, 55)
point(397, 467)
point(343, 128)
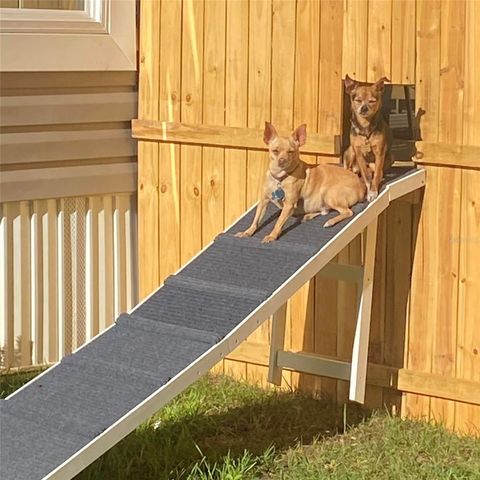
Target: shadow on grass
point(203, 425)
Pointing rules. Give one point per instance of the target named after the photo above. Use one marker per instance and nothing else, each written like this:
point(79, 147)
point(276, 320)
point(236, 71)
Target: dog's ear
point(269, 133)
point(300, 134)
point(379, 84)
point(350, 84)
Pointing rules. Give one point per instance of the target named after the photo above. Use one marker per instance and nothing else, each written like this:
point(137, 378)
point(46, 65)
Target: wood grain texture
point(452, 68)
point(467, 418)
point(428, 67)
point(229, 66)
point(148, 254)
point(403, 42)
point(449, 154)
point(236, 104)
point(191, 111)
point(468, 345)
point(220, 136)
point(355, 39)
point(169, 154)
point(379, 60)
point(305, 101)
point(259, 110)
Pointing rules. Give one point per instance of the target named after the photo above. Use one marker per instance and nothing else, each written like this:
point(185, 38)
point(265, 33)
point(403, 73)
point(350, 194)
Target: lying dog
point(301, 189)
point(370, 138)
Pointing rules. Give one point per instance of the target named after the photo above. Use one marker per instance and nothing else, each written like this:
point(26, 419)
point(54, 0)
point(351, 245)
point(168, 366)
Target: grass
point(220, 429)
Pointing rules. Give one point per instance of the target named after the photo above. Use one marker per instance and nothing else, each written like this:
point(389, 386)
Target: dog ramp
point(63, 420)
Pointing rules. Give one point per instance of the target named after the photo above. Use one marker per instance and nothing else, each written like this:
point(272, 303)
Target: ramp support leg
point(277, 344)
point(358, 372)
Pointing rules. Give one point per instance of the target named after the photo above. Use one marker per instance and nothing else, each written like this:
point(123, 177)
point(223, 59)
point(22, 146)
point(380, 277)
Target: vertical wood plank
point(282, 91)
point(379, 39)
point(467, 417)
point(283, 55)
point(330, 68)
point(452, 69)
point(191, 156)
point(325, 328)
point(446, 258)
point(346, 312)
point(305, 99)
point(428, 67)
point(213, 114)
point(403, 42)
point(259, 110)
point(236, 89)
point(374, 395)
point(432, 328)
point(471, 98)
point(355, 39)
point(427, 98)
point(398, 268)
point(148, 245)
point(259, 88)
point(169, 154)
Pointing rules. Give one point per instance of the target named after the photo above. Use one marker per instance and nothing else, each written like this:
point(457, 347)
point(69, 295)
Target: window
point(99, 37)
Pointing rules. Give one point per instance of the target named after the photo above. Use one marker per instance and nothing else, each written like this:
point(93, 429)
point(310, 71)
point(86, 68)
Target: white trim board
point(205, 362)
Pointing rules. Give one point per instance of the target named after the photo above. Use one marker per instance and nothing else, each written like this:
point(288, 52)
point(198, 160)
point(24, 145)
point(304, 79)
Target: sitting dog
point(370, 138)
point(301, 189)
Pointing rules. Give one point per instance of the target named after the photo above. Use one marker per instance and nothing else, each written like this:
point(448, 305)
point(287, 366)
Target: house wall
point(68, 210)
point(241, 63)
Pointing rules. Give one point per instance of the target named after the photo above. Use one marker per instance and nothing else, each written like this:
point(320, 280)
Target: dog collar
point(367, 133)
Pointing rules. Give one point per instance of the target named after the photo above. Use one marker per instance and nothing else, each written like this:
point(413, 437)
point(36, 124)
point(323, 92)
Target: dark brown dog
point(370, 138)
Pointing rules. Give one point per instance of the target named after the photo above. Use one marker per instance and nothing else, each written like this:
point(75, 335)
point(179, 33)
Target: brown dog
point(370, 138)
point(301, 189)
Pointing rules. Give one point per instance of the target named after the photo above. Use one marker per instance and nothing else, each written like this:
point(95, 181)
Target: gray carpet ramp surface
point(204, 310)
point(32, 449)
point(46, 422)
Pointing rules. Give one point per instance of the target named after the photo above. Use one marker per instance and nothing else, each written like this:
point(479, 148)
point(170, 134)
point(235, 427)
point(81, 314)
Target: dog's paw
point(328, 223)
point(371, 195)
point(268, 239)
point(244, 234)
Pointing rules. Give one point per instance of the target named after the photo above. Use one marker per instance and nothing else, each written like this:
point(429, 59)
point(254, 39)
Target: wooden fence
point(238, 63)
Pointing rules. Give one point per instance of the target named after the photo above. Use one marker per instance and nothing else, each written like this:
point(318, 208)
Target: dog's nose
point(364, 109)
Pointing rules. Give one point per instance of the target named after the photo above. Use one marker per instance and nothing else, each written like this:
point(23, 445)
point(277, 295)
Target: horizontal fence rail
point(67, 270)
point(220, 136)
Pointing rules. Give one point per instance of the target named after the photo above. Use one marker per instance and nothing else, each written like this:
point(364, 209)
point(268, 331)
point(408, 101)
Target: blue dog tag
point(278, 194)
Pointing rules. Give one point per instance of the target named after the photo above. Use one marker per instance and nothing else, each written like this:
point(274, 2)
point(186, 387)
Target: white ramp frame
point(112, 435)
point(363, 277)
point(358, 373)
point(277, 343)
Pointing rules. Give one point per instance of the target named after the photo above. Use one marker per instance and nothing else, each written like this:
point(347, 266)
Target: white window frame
point(99, 38)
